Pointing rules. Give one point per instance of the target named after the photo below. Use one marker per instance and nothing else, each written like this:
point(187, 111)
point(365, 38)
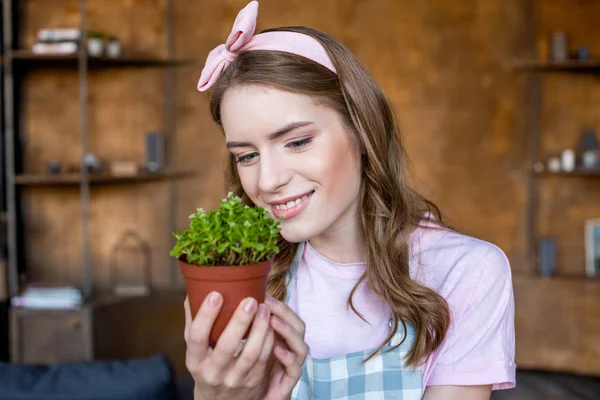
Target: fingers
point(267, 346)
point(198, 331)
point(253, 349)
point(292, 366)
point(227, 344)
point(188, 318)
point(285, 313)
point(293, 338)
point(287, 358)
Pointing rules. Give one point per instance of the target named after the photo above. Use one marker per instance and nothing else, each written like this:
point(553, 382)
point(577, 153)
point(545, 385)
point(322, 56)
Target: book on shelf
point(49, 297)
point(58, 48)
point(59, 35)
point(57, 41)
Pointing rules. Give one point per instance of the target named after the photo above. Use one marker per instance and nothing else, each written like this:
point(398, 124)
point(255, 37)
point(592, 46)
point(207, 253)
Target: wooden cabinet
point(109, 328)
point(48, 336)
point(557, 322)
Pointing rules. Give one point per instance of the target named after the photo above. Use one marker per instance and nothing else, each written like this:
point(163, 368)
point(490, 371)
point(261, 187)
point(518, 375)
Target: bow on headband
point(242, 38)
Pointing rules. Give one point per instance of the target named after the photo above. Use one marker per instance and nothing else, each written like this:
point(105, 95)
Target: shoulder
point(474, 277)
point(448, 261)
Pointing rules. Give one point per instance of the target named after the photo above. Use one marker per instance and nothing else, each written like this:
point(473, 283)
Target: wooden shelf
point(95, 179)
point(581, 173)
point(28, 58)
point(590, 66)
point(584, 279)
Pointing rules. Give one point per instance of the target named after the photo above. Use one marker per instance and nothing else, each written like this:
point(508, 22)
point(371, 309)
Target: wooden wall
point(443, 64)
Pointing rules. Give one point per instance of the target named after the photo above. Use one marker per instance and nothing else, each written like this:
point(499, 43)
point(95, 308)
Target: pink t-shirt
point(472, 275)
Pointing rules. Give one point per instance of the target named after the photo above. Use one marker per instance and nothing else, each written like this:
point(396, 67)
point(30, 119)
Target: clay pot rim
point(225, 273)
point(183, 260)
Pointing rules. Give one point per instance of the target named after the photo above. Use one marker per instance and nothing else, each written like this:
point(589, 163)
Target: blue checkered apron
point(383, 377)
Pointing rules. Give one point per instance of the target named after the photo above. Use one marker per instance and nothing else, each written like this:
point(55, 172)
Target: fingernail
point(263, 311)
point(214, 299)
point(249, 305)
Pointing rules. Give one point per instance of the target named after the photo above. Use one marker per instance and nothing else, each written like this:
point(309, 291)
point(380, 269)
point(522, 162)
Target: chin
point(295, 234)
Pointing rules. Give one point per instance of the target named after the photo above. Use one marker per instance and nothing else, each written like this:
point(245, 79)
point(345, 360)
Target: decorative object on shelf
point(589, 150)
point(567, 160)
point(589, 160)
point(53, 167)
point(123, 168)
point(583, 53)
point(228, 250)
point(98, 45)
point(92, 163)
point(546, 256)
point(554, 164)
point(559, 46)
point(95, 44)
point(130, 273)
point(155, 152)
point(592, 247)
point(113, 48)
point(538, 166)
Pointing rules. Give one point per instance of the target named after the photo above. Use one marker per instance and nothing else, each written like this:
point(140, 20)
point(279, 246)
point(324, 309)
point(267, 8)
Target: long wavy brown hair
point(390, 209)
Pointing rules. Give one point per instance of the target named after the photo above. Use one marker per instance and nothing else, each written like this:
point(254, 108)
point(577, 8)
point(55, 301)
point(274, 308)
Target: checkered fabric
point(383, 377)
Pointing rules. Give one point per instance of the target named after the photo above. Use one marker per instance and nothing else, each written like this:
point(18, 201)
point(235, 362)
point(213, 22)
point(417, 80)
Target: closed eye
point(299, 144)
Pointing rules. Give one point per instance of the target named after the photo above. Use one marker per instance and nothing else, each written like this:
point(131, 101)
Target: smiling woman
point(293, 149)
point(373, 296)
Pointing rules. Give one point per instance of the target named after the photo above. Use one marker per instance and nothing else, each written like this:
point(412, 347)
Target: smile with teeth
point(290, 203)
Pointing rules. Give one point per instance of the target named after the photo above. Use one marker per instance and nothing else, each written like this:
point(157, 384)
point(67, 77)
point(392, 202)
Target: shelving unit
point(549, 66)
point(97, 179)
point(533, 70)
point(556, 317)
point(16, 59)
point(582, 173)
point(26, 58)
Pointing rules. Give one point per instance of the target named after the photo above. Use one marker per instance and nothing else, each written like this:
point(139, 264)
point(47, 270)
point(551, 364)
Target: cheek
point(343, 169)
point(249, 181)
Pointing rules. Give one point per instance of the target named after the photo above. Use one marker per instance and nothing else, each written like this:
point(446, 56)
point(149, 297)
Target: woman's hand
point(290, 355)
point(220, 373)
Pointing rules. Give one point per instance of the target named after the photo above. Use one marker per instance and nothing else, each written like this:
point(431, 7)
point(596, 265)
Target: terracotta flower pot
point(235, 283)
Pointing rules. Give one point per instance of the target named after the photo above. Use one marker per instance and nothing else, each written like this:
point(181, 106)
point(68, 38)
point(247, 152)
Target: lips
point(292, 207)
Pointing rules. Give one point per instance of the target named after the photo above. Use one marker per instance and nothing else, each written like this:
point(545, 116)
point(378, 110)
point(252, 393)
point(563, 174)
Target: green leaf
point(233, 234)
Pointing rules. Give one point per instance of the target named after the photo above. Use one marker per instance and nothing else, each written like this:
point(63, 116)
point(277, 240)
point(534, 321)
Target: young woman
point(373, 297)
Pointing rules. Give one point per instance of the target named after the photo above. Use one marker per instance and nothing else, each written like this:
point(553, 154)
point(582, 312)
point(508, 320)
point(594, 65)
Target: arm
point(458, 392)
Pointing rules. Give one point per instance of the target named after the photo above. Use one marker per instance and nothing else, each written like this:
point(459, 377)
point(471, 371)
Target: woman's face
point(295, 158)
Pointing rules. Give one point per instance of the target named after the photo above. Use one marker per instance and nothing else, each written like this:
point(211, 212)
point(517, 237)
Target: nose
point(274, 173)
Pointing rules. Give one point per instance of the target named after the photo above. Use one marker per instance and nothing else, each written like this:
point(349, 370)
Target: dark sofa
point(149, 378)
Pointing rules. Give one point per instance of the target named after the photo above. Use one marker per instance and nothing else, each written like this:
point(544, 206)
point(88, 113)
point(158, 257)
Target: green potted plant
point(228, 250)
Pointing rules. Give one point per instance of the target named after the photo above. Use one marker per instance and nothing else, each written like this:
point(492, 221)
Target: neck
point(344, 242)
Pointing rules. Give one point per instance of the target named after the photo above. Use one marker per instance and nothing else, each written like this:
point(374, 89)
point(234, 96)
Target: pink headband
point(242, 38)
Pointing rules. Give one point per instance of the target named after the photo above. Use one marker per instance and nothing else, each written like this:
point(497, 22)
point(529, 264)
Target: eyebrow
point(275, 135)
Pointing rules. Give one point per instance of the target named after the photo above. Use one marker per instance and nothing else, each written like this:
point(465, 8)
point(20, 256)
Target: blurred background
point(107, 147)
